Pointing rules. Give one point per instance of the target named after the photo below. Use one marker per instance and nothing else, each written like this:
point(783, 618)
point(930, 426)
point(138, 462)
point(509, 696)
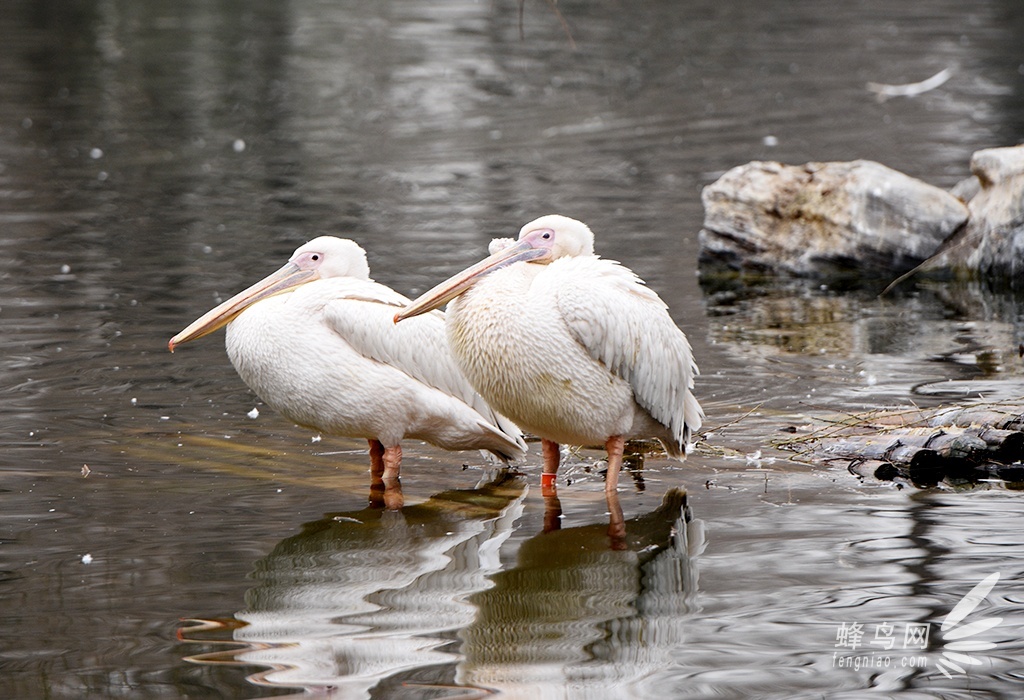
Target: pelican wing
point(627, 327)
point(363, 314)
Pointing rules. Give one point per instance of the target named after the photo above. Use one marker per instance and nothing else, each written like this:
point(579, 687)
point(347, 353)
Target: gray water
point(156, 157)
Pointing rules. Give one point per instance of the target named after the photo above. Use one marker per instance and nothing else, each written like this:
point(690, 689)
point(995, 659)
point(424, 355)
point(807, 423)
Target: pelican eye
point(314, 257)
point(546, 235)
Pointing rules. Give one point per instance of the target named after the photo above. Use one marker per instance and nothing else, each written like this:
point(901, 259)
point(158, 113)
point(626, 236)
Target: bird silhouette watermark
point(888, 644)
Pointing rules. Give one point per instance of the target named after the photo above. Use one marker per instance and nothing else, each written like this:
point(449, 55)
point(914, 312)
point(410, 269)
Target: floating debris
point(970, 443)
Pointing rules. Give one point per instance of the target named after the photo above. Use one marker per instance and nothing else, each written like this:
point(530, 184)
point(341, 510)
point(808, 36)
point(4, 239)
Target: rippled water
point(155, 157)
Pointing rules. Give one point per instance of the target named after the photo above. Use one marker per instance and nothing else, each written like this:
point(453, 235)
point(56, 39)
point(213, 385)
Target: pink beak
point(520, 251)
point(288, 277)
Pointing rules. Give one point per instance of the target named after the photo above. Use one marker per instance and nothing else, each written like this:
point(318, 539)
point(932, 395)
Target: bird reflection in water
point(359, 597)
point(413, 601)
point(586, 608)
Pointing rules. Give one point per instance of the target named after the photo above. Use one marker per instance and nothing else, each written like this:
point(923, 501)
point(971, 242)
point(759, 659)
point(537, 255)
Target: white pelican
point(316, 341)
point(574, 348)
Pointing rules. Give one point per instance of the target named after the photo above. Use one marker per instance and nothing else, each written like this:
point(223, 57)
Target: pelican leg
point(376, 459)
point(392, 462)
point(616, 522)
point(552, 456)
point(385, 486)
point(615, 447)
point(393, 498)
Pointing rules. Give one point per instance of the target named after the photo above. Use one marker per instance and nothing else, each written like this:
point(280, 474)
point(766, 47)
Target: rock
point(992, 243)
point(995, 165)
point(821, 218)
point(966, 189)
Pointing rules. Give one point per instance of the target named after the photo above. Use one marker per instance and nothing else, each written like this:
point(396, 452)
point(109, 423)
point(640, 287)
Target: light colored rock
point(821, 218)
point(966, 189)
point(995, 165)
point(992, 243)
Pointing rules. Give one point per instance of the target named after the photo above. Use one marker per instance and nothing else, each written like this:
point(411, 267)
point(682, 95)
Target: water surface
point(156, 157)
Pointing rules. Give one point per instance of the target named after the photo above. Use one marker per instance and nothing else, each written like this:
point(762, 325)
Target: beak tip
point(170, 344)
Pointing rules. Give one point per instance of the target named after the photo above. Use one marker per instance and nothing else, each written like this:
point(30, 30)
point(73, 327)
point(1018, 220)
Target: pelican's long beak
point(288, 277)
point(520, 251)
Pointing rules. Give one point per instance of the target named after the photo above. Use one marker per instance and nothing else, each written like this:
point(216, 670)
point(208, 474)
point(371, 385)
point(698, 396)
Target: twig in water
point(851, 421)
point(730, 423)
point(954, 241)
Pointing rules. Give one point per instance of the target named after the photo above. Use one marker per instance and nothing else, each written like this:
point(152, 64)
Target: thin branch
point(553, 4)
point(723, 426)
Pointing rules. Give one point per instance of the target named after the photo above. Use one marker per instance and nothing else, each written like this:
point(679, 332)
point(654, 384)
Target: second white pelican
point(574, 348)
point(316, 342)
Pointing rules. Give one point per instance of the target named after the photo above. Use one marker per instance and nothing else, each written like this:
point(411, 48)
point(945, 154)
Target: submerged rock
point(822, 218)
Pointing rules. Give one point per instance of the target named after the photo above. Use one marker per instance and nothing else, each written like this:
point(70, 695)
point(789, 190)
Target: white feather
point(626, 326)
point(364, 317)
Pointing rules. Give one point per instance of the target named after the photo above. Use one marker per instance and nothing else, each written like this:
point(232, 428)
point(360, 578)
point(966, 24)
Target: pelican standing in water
point(317, 343)
point(574, 348)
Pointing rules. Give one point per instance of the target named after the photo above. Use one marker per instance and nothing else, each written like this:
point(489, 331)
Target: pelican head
point(540, 242)
point(321, 258)
point(568, 237)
